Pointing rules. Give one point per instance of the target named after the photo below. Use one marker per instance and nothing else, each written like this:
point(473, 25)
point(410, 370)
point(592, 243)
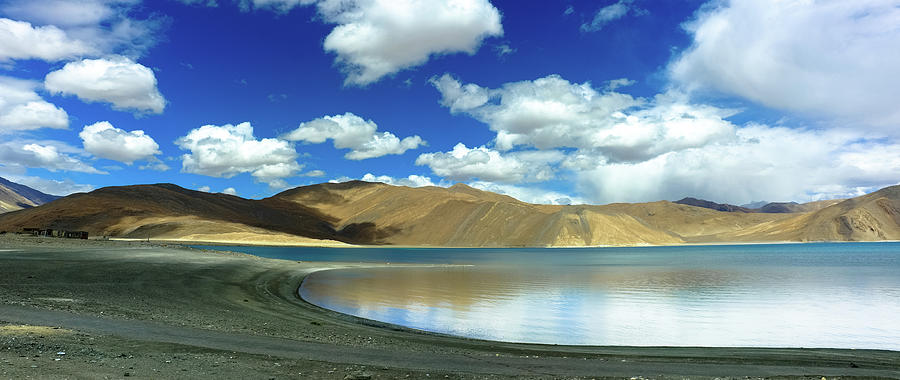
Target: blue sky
point(547, 101)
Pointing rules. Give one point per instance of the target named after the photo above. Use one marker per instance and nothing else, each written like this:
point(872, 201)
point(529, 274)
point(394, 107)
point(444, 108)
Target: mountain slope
point(463, 216)
point(14, 196)
point(454, 216)
point(375, 213)
point(167, 211)
point(794, 207)
point(871, 217)
point(691, 223)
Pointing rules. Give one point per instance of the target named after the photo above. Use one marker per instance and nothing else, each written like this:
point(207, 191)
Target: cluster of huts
point(56, 233)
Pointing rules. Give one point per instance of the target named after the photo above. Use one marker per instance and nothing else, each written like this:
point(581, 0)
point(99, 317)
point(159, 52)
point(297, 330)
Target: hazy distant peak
point(14, 196)
point(782, 207)
point(756, 204)
point(712, 205)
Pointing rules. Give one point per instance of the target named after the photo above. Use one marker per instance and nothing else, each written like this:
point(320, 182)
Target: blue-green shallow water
point(842, 295)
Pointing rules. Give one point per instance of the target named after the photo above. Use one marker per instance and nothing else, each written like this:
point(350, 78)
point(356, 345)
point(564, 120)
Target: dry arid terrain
point(81, 309)
point(459, 216)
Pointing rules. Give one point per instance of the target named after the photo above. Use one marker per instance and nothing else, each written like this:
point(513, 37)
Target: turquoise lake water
point(841, 295)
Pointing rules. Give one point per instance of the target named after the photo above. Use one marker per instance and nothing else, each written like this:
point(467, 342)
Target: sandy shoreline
point(137, 309)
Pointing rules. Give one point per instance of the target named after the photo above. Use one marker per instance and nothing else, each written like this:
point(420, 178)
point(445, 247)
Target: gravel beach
point(105, 309)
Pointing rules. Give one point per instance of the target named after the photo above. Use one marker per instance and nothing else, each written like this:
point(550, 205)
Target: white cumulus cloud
point(104, 140)
point(125, 84)
point(770, 163)
point(229, 191)
point(21, 108)
point(618, 148)
point(94, 27)
point(376, 38)
point(21, 40)
point(229, 150)
point(830, 57)
point(551, 112)
point(459, 97)
point(528, 194)
point(463, 163)
point(27, 154)
point(349, 131)
point(409, 181)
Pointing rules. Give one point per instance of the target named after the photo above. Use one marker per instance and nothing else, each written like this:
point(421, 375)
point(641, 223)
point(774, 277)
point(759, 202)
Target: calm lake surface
point(844, 295)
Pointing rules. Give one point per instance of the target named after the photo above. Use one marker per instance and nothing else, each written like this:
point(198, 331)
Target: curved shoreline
point(214, 303)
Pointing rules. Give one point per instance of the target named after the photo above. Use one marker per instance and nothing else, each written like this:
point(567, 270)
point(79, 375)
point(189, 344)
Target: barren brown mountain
point(463, 216)
point(166, 211)
point(14, 196)
point(375, 213)
point(870, 217)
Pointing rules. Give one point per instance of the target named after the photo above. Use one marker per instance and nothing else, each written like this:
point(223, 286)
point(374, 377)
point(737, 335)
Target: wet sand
point(135, 309)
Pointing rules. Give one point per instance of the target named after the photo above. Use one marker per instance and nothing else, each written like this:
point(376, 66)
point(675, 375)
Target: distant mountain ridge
point(766, 208)
point(459, 216)
point(14, 196)
point(712, 205)
point(756, 204)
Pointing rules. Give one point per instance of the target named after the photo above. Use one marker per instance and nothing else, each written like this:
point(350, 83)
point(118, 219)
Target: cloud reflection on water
point(626, 305)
